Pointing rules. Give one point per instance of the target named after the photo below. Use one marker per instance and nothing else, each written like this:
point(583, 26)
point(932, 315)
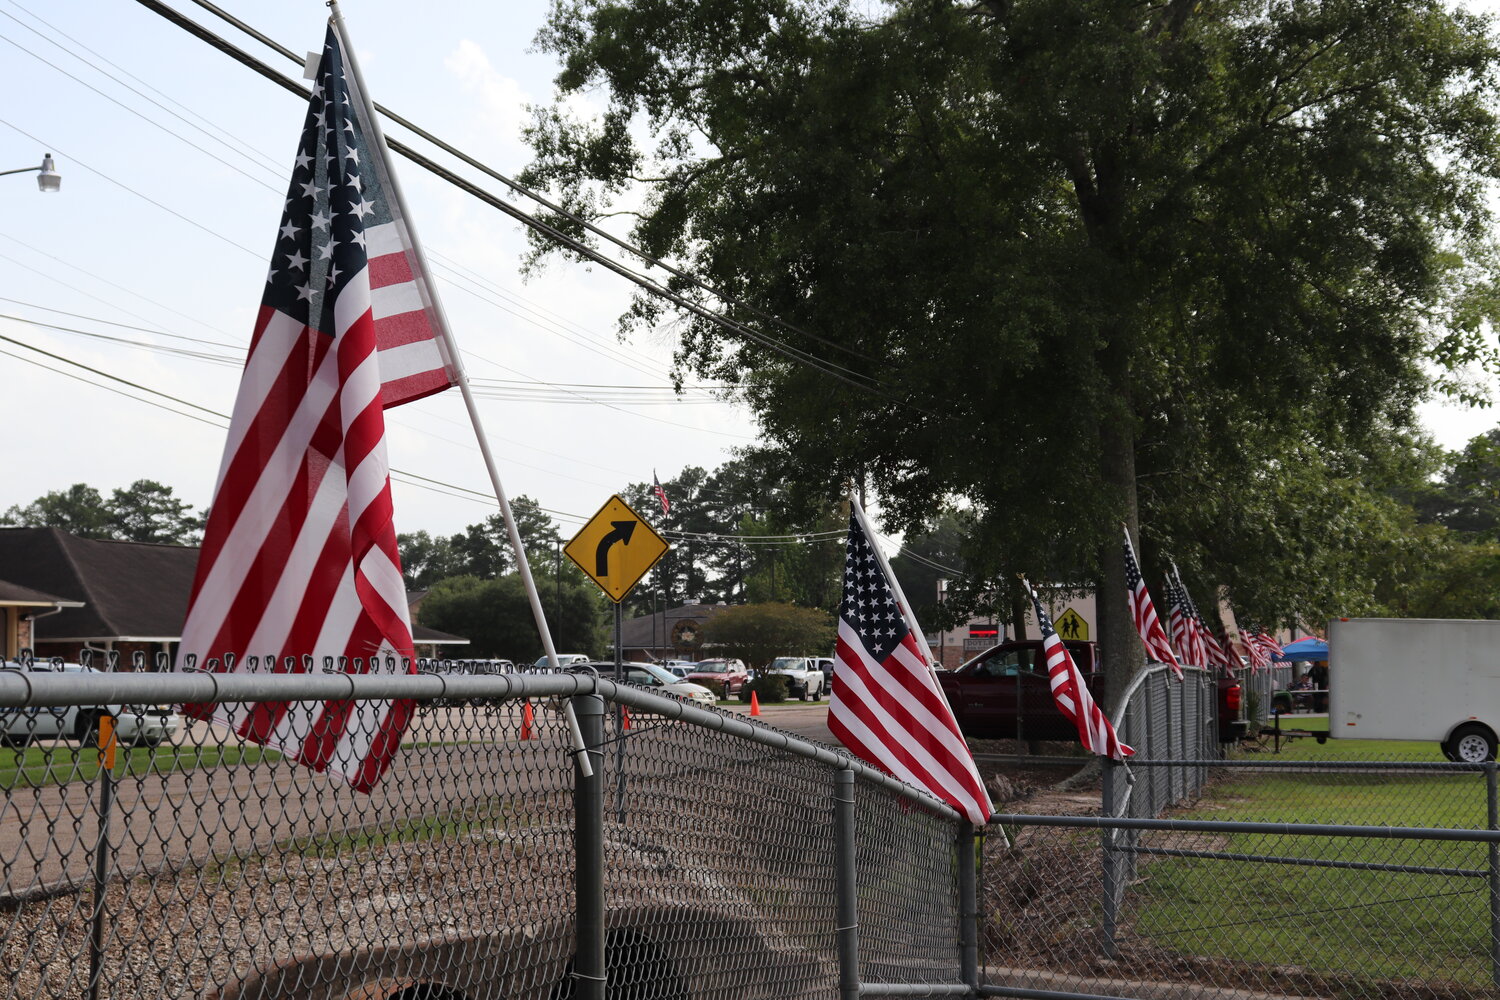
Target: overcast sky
point(170, 233)
point(170, 201)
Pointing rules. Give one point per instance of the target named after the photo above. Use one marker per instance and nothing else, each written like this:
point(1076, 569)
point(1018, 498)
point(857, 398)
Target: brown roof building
point(123, 596)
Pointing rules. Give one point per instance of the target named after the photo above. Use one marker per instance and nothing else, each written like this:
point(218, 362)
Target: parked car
point(679, 668)
point(825, 664)
point(1005, 693)
point(731, 673)
point(804, 678)
point(564, 660)
point(135, 725)
point(663, 681)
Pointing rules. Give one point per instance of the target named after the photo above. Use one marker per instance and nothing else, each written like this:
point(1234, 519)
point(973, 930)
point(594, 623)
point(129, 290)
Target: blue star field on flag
point(869, 605)
point(328, 209)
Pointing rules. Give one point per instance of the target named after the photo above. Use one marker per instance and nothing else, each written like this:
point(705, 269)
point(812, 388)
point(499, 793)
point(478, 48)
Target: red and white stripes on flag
point(299, 567)
point(887, 708)
point(1071, 694)
point(1143, 612)
point(661, 494)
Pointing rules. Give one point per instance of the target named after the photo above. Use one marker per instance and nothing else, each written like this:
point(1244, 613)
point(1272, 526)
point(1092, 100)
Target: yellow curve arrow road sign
point(616, 548)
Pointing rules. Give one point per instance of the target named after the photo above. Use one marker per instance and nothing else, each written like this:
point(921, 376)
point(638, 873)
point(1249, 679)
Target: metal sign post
point(615, 549)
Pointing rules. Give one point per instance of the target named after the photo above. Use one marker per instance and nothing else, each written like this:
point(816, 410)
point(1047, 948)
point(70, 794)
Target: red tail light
point(1232, 697)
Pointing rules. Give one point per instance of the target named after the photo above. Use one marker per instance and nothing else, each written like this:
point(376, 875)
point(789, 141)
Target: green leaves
point(1185, 261)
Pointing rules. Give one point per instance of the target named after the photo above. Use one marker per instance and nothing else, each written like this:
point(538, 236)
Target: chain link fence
point(705, 856)
point(1294, 868)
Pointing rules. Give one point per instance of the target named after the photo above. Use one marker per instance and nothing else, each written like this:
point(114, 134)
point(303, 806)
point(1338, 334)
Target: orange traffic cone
point(526, 721)
point(754, 703)
point(624, 717)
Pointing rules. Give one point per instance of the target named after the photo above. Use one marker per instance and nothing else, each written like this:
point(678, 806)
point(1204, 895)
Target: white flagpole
point(906, 609)
point(522, 564)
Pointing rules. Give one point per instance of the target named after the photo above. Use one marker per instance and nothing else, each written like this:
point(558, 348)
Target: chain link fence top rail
point(208, 866)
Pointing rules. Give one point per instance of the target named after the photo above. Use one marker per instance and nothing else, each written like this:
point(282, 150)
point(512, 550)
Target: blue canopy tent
point(1309, 648)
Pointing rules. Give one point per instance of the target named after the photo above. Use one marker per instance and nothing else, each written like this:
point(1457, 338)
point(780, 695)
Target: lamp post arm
point(20, 170)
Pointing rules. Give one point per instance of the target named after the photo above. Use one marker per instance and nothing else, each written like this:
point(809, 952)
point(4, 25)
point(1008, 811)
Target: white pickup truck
point(804, 677)
point(135, 725)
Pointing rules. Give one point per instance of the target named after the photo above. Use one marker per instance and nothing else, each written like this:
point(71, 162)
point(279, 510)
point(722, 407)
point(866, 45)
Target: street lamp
point(48, 180)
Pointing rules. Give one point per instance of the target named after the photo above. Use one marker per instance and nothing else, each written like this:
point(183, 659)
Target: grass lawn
point(61, 763)
point(1386, 925)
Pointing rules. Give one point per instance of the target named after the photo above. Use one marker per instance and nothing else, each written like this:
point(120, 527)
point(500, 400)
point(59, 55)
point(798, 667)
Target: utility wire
point(123, 326)
point(534, 196)
point(104, 281)
point(856, 380)
point(424, 482)
point(126, 187)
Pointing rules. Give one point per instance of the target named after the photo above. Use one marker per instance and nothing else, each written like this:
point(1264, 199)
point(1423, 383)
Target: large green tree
point(495, 616)
point(1075, 262)
point(756, 633)
point(145, 511)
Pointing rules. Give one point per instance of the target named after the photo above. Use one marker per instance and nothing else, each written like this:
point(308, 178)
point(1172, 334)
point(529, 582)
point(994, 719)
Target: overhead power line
point(536, 196)
point(858, 380)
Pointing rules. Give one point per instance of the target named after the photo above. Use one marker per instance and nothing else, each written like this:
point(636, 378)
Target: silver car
point(135, 725)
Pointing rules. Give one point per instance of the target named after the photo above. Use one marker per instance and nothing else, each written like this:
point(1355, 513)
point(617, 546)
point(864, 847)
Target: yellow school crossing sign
point(616, 548)
point(1070, 625)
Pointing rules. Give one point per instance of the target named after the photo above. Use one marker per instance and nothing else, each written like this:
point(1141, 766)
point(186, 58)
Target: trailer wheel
point(1473, 743)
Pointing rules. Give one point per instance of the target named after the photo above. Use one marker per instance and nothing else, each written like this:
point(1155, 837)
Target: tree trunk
point(1018, 618)
point(1119, 646)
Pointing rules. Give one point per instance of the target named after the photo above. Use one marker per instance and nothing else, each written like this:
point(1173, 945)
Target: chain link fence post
point(588, 845)
point(105, 786)
point(1111, 862)
point(1492, 802)
point(968, 908)
point(846, 888)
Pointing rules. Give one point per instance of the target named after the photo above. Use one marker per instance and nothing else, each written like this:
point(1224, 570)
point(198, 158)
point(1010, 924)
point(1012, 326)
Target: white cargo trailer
point(1416, 679)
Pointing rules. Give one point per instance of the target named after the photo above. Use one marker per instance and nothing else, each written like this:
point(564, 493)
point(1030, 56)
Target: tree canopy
point(757, 633)
point(146, 511)
point(1069, 262)
point(495, 616)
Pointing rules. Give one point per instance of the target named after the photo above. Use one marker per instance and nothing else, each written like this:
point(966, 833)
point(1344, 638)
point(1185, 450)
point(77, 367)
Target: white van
point(135, 725)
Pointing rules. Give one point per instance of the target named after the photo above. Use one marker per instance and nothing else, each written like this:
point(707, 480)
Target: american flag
point(1264, 649)
point(1072, 695)
point(299, 566)
point(1144, 613)
point(661, 494)
point(887, 707)
point(1177, 622)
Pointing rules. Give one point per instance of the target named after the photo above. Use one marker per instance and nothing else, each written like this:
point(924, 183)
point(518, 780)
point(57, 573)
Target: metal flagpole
point(451, 346)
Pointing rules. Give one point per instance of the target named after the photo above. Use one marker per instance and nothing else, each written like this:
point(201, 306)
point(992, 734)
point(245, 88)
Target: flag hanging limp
point(1071, 694)
point(299, 566)
point(887, 707)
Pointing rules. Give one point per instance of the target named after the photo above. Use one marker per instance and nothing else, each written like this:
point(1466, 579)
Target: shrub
point(770, 688)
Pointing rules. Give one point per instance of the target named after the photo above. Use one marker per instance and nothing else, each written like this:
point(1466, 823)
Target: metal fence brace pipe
point(915, 990)
point(1279, 829)
point(846, 886)
point(588, 845)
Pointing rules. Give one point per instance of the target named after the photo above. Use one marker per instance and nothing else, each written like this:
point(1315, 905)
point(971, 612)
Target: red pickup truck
point(1004, 693)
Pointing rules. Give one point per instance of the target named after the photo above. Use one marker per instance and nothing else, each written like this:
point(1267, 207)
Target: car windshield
point(787, 663)
point(665, 676)
point(712, 667)
point(1007, 662)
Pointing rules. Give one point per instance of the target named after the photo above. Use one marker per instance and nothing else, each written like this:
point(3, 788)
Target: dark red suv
point(730, 673)
point(1004, 693)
